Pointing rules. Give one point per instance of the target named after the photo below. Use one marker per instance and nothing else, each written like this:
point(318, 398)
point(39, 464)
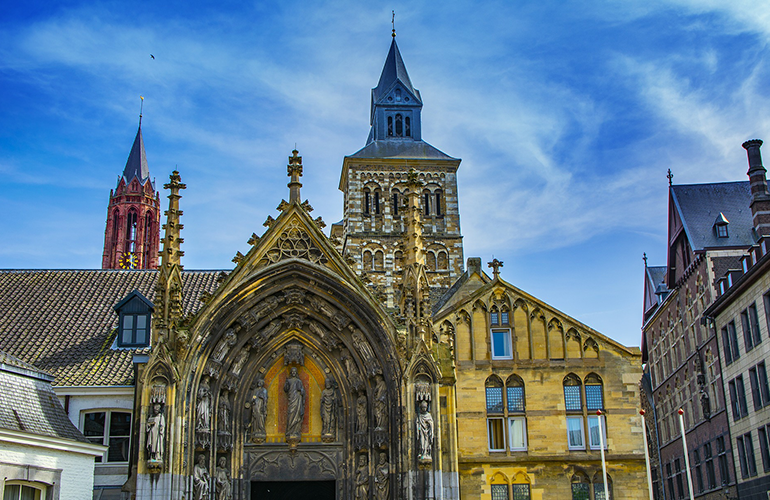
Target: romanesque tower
point(374, 182)
point(132, 235)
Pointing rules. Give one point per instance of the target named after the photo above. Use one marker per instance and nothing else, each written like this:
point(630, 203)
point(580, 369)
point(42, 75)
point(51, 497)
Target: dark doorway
point(294, 490)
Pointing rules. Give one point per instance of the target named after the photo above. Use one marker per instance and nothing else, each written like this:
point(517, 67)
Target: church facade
point(373, 363)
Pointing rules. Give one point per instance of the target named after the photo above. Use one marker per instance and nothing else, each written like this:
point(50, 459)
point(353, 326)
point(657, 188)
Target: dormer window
point(720, 226)
point(399, 126)
point(134, 319)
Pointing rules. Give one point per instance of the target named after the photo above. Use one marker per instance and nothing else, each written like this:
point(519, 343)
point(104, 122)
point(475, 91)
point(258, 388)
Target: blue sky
point(566, 115)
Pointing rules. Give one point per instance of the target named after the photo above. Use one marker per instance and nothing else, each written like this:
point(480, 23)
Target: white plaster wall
point(77, 477)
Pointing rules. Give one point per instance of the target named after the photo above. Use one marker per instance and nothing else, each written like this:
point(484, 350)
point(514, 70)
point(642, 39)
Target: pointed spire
point(171, 254)
point(294, 170)
point(393, 70)
point(136, 166)
point(168, 290)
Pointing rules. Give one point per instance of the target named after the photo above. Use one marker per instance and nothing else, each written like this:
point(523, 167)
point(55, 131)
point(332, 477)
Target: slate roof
point(400, 148)
point(657, 276)
point(29, 404)
point(136, 165)
point(62, 321)
point(699, 205)
point(394, 69)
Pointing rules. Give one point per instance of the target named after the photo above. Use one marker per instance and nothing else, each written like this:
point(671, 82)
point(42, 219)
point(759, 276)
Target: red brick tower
point(132, 236)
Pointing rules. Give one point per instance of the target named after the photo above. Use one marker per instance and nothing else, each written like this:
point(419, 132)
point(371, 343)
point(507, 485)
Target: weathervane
point(393, 22)
point(141, 107)
point(669, 176)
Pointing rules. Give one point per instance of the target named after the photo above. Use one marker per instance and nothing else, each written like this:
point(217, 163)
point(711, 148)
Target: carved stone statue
point(424, 423)
point(362, 423)
point(381, 476)
point(366, 352)
point(225, 410)
point(223, 483)
point(201, 480)
point(362, 479)
point(380, 404)
point(224, 345)
point(295, 406)
point(259, 412)
point(243, 356)
point(156, 431)
point(328, 412)
point(203, 408)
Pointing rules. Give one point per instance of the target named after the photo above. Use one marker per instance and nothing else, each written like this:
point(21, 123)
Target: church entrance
point(294, 490)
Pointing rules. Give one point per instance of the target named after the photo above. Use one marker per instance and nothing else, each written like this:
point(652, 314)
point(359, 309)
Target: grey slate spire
point(136, 166)
point(394, 69)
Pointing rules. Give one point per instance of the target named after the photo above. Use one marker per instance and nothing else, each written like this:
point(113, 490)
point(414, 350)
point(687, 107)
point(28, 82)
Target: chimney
point(760, 198)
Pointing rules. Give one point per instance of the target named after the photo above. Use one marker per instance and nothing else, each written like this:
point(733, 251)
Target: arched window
point(367, 200)
point(407, 127)
point(494, 400)
point(573, 404)
point(430, 261)
point(390, 126)
point(398, 257)
point(443, 261)
point(395, 203)
point(581, 487)
point(23, 490)
point(399, 126)
point(131, 221)
point(148, 239)
point(398, 95)
point(377, 202)
point(379, 263)
point(367, 260)
point(517, 422)
point(115, 226)
point(494, 316)
point(595, 401)
point(426, 206)
point(599, 487)
point(438, 210)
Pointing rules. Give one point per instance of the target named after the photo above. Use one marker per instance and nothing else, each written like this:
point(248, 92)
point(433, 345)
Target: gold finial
point(141, 107)
point(393, 22)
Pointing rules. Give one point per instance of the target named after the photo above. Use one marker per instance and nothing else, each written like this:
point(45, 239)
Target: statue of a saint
point(259, 412)
point(156, 430)
point(295, 406)
point(362, 479)
point(201, 480)
point(223, 483)
point(223, 416)
point(380, 405)
point(362, 423)
point(381, 476)
point(424, 433)
point(328, 412)
point(203, 409)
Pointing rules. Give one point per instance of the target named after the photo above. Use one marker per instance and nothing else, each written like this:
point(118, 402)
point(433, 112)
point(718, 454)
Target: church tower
point(375, 184)
point(132, 235)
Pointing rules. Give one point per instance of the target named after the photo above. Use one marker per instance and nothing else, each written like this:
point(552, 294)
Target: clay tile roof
point(63, 322)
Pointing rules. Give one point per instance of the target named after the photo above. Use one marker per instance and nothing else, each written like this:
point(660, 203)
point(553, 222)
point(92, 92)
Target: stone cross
point(495, 265)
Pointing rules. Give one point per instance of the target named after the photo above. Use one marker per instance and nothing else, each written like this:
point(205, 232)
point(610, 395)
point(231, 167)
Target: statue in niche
point(156, 431)
point(295, 406)
point(366, 352)
point(201, 480)
point(259, 412)
point(203, 408)
point(705, 403)
point(381, 476)
point(328, 412)
point(243, 356)
point(380, 404)
point(223, 483)
point(224, 345)
point(225, 410)
point(361, 421)
point(362, 478)
point(424, 433)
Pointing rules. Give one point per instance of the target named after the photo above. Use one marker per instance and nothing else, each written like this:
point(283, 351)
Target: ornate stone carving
point(223, 483)
point(266, 333)
point(224, 414)
point(363, 347)
point(293, 243)
point(351, 371)
point(224, 345)
point(340, 321)
point(320, 305)
point(243, 356)
point(362, 478)
point(362, 420)
point(259, 412)
point(329, 412)
point(203, 415)
point(294, 355)
point(294, 296)
point(264, 308)
point(424, 424)
point(380, 404)
point(295, 320)
point(201, 480)
point(295, 407)
point(381, 477)
point(156, 434)
point(283, 465)
point(328, 339)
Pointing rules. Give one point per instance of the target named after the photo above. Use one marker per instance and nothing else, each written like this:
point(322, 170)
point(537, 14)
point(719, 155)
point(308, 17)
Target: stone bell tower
point(132, 235)
point(375, 183)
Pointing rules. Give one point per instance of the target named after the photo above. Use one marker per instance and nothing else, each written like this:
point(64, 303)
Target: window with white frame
point(495, 414)
point(23, 490)
point(573, 403)
point(501, 344)
point(506, 417)
point(111, 428)
point(517, 420)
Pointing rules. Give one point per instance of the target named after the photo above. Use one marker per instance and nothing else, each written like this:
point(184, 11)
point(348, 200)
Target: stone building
point(739, 317)
point(372, 363)
point(710, 228)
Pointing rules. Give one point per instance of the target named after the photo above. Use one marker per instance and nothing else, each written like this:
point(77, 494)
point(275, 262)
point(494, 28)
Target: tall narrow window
point(376, 203)
point(746, 456)
point(367, 201)
point(438, 203)
point(443, 261)
point(379, 264)
point(430, 261)
point(764, 448)
point(733, 339)
point(426, 206)
point(407, 127)
point(581, 488)
point(724, 471)
point(698, 470)
point(390, 126)
point(131, 231)
point(517, 422)
point(148, 238)
point(494, 316)
point(573, 403)
point(599, 487)
point(395, 203)
point(399, 126)
point(494, 398)
point(710, 472)
point(367, 261)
